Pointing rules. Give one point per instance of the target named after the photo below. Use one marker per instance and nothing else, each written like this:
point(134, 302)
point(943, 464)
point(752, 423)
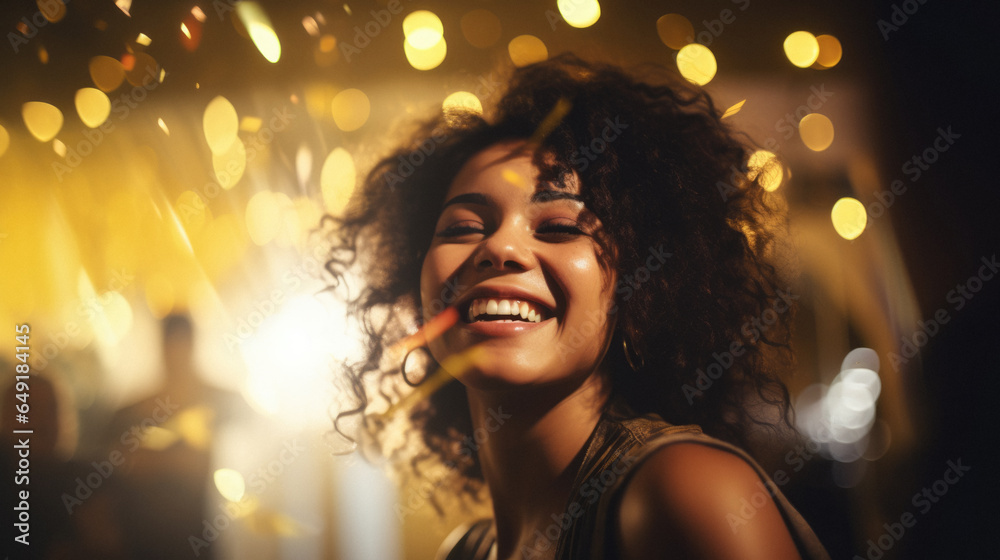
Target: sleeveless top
point(619, 443)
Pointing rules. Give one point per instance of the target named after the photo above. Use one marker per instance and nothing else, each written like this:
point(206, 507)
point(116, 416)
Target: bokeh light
point(422, 29)
point(426, 59)
point(221, 124)
point(816, 131)
point(351, 109)
point(838, 417)
point(337, 180)
point(463, 101)
point(230, 484)
point(527, 49)
point(106, 72)
point(258, 27)
point(580, 13)
point(849, 218)
point(830, 51)
point(42, 119)
point(801, 48)
point(93, 106)
point(52, 10)
point(696, 63)
point(263, 216)
point(675, 31)
point(140, 69)
point(764, 166)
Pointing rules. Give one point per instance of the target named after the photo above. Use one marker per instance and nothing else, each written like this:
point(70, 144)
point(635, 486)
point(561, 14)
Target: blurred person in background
point(163, 497)
point(61, 525)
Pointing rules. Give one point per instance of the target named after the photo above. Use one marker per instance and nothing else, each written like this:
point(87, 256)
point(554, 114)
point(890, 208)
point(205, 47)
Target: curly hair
point(670, 178)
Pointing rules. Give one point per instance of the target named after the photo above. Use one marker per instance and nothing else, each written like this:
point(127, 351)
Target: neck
point(531, 452)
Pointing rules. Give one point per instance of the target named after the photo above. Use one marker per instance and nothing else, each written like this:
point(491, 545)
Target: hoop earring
point(402, 368)
point(628, 356)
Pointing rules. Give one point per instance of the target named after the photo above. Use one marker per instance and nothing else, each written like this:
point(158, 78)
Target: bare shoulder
point(686, 500)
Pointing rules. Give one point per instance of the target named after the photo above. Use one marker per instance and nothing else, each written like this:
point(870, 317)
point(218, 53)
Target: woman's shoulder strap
point(470, 541)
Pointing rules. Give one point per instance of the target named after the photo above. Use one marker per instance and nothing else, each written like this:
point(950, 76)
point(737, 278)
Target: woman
point(603, 246)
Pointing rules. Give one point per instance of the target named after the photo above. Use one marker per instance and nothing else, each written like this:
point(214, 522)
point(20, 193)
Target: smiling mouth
point(505, 311)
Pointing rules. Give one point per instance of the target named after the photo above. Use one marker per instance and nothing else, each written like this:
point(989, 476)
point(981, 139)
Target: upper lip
point(503, 292)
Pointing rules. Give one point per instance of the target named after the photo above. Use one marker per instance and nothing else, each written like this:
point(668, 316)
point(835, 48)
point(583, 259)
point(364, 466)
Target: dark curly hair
point(675, 180)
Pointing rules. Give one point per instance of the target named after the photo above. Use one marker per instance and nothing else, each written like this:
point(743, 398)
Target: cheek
point(588, 282)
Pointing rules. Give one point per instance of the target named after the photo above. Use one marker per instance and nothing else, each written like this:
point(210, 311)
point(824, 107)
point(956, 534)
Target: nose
point(506, 249)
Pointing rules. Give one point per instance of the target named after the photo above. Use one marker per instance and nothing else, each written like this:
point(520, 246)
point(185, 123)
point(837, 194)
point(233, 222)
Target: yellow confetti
point(734, 109)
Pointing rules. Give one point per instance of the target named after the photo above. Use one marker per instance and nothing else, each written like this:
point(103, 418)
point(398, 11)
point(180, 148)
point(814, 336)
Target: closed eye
point(559, 230)
point(460, 229)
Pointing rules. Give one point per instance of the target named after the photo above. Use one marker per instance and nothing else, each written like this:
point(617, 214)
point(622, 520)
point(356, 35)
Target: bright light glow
point(801, 48)
point(580, 13)
point(696, 63)
point(463, 101)
point(59, 148)
point(849, 217)
point(426, 59)
point(160, 295)
point(765, 165)
point(185, 30)
point(298, 339)
point(303, 166)
point(263, 217)
point(337, 180)
point(43, 120)
point(143, 40)
point(816, 131)
point(422, 29)
point(113, 319)
point(527, 49)
point(93, 106)
point(230, 484)
point(351, 109)
point(221, 124)
point(259, 27)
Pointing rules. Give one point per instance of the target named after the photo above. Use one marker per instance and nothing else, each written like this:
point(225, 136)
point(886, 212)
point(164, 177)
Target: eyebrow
point(480, 199)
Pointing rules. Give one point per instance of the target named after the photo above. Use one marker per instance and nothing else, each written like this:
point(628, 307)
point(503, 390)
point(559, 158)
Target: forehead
point(508, 167)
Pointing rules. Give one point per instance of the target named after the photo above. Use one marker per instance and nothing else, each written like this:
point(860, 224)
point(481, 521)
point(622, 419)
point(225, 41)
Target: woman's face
point(520, 261)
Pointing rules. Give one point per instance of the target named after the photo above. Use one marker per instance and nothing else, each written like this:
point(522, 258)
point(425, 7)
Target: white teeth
point(510, 307)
